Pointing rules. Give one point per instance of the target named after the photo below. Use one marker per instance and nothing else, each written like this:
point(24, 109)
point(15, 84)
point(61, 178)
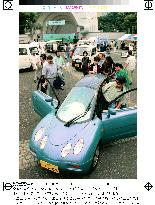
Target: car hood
point(57, 133)
point(77, 57)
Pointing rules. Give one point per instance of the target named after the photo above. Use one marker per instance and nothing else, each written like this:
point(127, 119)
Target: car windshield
point(33, 49)
point(80, 50)
point(22, 51)
point(76, 103)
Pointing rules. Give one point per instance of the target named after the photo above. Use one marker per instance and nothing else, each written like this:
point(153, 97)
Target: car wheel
point(31, 67)
point(95, 158)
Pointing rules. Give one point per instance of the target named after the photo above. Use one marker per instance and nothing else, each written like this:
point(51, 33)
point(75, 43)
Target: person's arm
point(122, 101)
point(91, 69)
point(118, 105)
point(126, 63)
point(44, 71)
point(54, 60)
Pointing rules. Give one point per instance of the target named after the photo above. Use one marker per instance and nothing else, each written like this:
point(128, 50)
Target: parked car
point(52, 46)
point(69, 137)
point(25, 51)
point(78, 55)
point(124, 54)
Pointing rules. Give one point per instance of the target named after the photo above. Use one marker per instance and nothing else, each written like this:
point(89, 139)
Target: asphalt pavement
point(118, 160)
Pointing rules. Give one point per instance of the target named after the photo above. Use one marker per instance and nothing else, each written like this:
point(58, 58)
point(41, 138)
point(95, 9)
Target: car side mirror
point(111, 111)
point(54, 102)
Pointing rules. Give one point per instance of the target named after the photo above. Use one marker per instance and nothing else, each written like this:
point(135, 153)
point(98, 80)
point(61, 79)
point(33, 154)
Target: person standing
point(115, 45)
point(120, 71)
point(42, 82)
point(130, 65)
point(50, 72)
point(85, 63)
point(102, 59)
point(108, 66)
point(35, 62)
point(68, 54)
point(59, 61)
point(95, 67)
point(112, 45)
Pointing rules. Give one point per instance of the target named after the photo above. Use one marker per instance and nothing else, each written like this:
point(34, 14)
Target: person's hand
point(91, 72)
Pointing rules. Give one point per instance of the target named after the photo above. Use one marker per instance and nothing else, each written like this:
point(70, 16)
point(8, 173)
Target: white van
point(52, 45)
point(78, 55)
point(25, 51)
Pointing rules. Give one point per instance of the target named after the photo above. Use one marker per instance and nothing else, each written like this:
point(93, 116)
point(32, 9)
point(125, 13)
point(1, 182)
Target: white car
point(25, 51)
point(124, 54)
point(78, 55)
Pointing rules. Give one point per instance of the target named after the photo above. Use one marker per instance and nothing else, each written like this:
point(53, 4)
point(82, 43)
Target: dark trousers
point(102, 104)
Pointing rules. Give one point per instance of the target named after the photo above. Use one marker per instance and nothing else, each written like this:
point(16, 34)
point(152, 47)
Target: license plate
point(76, 65)
point(49, 166)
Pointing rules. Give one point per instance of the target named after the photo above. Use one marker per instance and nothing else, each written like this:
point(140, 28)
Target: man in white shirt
point(50, 72)
point(130, 65)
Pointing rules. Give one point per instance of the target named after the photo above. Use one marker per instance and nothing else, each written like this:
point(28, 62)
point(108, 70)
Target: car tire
point(31, 68)
point(95, 158)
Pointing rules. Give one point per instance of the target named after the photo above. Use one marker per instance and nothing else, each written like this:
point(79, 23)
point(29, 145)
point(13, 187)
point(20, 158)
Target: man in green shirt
point(120, 71)
point(59, 61)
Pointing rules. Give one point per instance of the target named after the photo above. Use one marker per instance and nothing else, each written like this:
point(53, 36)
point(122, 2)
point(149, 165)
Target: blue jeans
point(68, 56)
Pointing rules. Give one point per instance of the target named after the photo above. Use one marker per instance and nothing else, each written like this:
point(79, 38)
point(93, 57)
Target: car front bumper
point(61, 166)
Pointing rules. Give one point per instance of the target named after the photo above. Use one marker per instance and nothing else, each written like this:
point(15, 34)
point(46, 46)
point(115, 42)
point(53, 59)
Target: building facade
point(74, 22)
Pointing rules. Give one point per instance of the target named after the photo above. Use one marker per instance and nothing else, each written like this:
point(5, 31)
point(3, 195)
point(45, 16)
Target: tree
point(27, 21)
point(119, 21)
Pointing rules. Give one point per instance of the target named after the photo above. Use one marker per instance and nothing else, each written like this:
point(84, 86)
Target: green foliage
point(27, 21)
point(84, 33)
point(118, 21)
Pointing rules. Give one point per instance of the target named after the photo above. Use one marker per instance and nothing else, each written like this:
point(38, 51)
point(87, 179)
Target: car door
point(40, 105)
point(121, 125)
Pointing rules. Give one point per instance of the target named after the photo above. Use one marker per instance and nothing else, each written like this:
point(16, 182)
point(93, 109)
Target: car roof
point(90, 81)
point(27, 46)
point(86, 46)
point(23, 45)
point(52, 41)
point(83, 40)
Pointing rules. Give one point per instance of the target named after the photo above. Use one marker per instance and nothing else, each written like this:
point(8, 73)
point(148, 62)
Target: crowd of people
point(118, 78)
point(106, 66)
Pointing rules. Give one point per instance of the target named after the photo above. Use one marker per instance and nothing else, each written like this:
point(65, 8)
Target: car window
point(76, 103)
point(80, 50)
point(22, 51)
point(33, 49)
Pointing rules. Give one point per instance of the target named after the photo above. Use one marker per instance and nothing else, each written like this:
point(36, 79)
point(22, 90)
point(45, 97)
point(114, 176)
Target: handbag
point(57, 82)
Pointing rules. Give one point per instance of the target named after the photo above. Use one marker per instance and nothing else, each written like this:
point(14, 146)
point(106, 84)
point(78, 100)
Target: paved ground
point(117, 160)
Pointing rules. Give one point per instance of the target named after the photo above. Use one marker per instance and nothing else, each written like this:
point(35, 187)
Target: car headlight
point(39, 134)
point(43, 142)
point(66, 150)
point(79, 146)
